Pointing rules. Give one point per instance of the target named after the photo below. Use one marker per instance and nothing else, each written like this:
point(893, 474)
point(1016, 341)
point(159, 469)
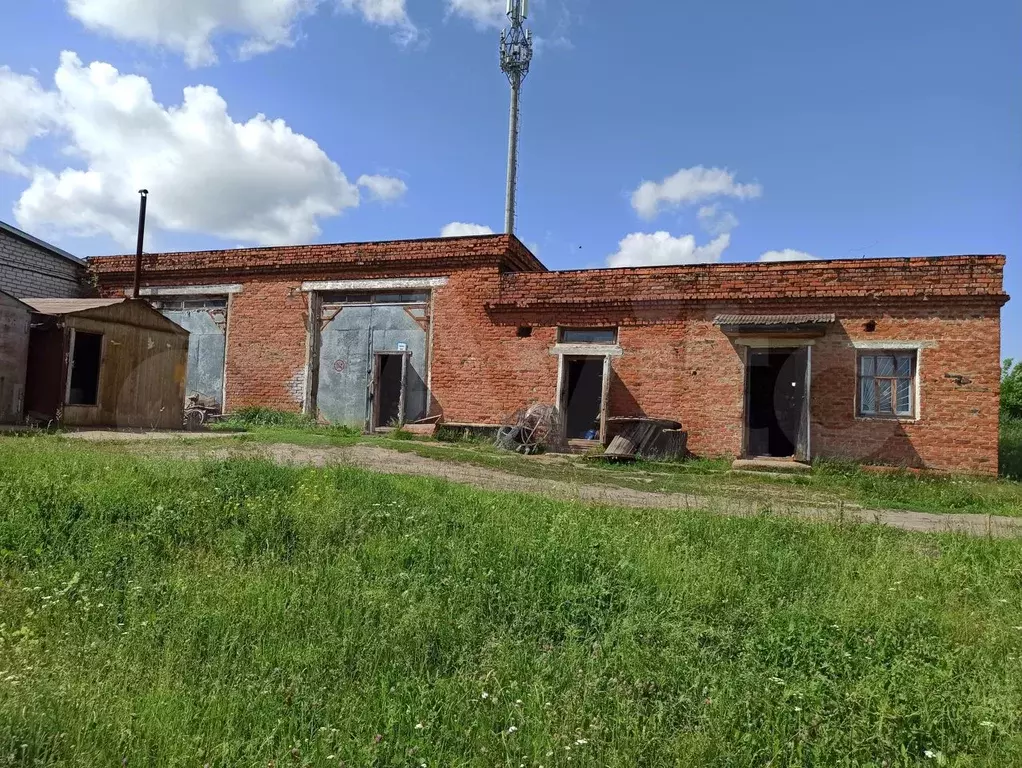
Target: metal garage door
point(205, 319)
point(354, 328)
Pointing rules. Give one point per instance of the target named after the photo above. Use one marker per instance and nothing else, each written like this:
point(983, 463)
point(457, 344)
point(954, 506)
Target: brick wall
point(29, 271)
point(317, 262)
point(266, 338)
point(675, 364)
point(860, 278)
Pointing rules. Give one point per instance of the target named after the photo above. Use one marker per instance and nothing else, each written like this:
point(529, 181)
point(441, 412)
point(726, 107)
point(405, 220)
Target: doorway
point(86, 357)
point(44, 389)
point(582, 398)
point(777, 403)
point(389, 386)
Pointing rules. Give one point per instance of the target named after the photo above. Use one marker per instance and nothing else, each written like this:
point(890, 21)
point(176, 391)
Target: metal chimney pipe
point(144, 193)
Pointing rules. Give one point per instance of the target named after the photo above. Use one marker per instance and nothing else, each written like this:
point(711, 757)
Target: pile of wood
point(642, 438)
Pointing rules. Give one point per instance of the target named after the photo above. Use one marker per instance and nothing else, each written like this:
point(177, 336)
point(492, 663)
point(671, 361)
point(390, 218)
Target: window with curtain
point(887, 383)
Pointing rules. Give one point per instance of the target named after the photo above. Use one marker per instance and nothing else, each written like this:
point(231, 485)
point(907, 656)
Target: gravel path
point(393, 462)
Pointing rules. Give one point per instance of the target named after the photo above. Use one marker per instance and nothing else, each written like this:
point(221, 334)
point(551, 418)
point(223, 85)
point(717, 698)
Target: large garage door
point(355, 329)
point(205, 319)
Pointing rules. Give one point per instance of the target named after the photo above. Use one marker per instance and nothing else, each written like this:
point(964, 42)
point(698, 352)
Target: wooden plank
point(142, 377)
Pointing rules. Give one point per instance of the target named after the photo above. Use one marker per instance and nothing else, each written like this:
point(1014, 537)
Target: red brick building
point(892, 361)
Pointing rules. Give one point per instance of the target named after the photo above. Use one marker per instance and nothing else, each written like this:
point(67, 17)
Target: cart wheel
point(194, 419)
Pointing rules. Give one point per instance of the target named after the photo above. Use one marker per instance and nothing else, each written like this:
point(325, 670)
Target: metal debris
point(532, 429)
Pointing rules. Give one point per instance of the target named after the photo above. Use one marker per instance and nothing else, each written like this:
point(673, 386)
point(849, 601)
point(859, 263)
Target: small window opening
point(385, 297)
point(85, 362)
point(524, 331)
point(588, 335)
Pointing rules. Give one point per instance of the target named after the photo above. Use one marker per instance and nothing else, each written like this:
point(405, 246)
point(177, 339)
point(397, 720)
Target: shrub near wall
point(1011, 390)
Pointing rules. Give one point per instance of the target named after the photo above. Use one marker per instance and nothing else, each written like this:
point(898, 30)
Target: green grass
point(1011, 448)
point(829, 482)
point(177, 613)
point(269, 425)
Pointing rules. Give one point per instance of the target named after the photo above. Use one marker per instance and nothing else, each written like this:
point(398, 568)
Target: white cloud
point(689, 186)
point(461, 229)
point(256, 181)
point(788, 254)
point(640, 249)
point(385, 13)
point(716, 220)
point(484, 13)
point(386, 189)
point(27, 111)
point(189, 27)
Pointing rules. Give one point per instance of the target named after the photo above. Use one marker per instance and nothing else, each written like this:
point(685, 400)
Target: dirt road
point(387, 461)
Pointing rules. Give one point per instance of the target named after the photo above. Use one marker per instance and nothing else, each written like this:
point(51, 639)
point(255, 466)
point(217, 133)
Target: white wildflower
point(485, 695)
point(511, 730)
point(581, 742)
point(419, 726)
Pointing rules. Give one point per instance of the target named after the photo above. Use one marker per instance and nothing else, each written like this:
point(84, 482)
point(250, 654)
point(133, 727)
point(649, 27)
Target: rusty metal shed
point(15, 317)
point(105, 362)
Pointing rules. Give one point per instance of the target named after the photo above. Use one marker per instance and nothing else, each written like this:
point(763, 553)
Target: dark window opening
point(85, 362)
point(588, 335)
point(178, 305)
point(776, 402)
point(887, 384)
point(524, 331)
point(385, 297)
point(583, 397)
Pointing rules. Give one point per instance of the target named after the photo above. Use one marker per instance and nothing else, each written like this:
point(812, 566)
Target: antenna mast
point(515, 56)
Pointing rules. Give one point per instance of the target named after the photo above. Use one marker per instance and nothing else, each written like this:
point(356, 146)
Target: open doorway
point(777, 403)
point(389, 387)
point(582, 397)
point(86, 356)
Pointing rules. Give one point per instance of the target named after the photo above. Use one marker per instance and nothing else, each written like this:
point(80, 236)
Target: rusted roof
point(68, 306)
point(774, 319)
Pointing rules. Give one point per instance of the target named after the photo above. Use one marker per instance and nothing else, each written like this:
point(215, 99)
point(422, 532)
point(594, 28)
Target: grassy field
point(830, 482)
point(181, 613)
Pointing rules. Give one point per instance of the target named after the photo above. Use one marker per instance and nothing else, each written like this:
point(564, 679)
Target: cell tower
point(515, 56)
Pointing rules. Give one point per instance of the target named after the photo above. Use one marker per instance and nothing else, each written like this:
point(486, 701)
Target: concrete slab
point(788, 466)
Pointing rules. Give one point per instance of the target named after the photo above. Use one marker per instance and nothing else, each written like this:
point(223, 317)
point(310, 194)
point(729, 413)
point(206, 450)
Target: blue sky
point(652, 132)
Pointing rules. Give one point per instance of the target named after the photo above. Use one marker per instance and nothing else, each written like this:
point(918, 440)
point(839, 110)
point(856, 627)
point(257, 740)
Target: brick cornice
point(953, 278)
point(434, 255)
